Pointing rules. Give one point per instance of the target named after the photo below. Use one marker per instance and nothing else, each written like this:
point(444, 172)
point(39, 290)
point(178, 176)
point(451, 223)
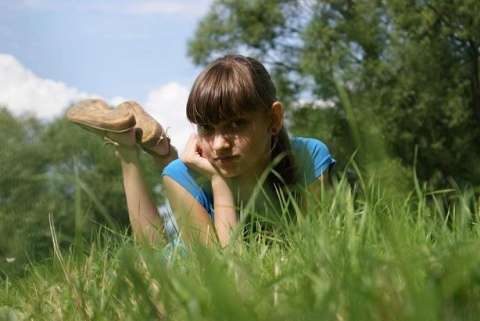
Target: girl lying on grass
point(241, 144)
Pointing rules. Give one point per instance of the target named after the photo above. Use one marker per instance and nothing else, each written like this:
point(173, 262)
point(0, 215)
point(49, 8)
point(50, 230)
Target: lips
point(225, 159)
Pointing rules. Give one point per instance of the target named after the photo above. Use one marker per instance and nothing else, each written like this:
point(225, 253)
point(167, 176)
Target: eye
point(205, 128)
point(238, 123)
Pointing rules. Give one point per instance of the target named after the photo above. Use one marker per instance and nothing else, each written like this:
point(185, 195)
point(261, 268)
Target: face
point(238, 147)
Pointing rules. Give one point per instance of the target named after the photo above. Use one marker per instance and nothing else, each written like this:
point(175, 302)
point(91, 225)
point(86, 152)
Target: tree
point(20, 189)
point(55, 170)
point(410, 69)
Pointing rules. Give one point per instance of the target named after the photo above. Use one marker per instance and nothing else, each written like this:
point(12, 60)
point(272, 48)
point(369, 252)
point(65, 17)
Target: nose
point(220, 141)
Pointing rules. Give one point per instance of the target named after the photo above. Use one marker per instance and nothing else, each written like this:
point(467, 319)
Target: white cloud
point(23, 92)
point(167, 106)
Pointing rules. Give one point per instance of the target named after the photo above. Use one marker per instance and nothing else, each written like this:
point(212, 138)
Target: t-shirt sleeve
point(191, 181)
point(313, 158)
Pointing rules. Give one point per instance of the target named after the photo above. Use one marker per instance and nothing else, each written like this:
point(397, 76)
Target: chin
point(229, 174)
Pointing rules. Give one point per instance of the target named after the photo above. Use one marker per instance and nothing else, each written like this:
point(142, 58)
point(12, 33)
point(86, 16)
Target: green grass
point(356, 255)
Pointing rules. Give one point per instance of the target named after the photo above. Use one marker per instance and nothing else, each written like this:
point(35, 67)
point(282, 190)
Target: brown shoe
point(96, 116)
point(150, 134)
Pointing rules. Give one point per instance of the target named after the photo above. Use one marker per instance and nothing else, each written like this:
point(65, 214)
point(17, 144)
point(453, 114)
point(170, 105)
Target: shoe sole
point(96, 116)
point(148, 131)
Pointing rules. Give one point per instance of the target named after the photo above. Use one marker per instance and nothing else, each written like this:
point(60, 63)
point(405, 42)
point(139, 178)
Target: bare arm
point(225, 219)
point(316, 187)
point(147, 224)
point(194, 221)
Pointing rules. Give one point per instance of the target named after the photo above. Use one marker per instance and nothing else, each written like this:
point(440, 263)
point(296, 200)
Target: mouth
point(223, 160)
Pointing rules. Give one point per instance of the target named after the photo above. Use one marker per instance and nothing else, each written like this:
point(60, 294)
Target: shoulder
point(174, 167)
point(182, 174)
point(311, 145)
point(311, 148)
point(313, 157)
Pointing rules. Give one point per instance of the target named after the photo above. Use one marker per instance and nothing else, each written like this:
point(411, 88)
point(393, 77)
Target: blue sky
point(54, 52)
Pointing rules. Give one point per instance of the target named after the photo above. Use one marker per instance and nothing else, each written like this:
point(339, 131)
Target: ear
point(276, 117)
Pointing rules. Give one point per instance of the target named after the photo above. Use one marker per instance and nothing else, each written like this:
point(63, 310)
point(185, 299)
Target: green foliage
point(350, 257)
point(21, 191)
point(410, 68)
point(60, 170)
point(230, 22)
point(329, 125)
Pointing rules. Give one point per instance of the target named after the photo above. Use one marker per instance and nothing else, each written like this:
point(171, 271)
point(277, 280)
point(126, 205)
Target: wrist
point(127, 154)
point(162, 161)
point(219, 181)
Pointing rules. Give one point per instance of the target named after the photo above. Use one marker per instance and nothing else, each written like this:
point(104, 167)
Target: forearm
point(194, 222)
point(146, 223)
point(225, 219)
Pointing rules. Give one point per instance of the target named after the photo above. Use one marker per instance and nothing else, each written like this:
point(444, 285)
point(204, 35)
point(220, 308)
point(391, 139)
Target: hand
point(124, 144)
point(225, 220)
point(192, 157)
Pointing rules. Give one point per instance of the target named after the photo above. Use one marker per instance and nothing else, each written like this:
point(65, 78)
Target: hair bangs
point(222, 92)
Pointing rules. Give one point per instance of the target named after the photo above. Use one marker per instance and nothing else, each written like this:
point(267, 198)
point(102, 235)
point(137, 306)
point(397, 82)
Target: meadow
point(360, 253)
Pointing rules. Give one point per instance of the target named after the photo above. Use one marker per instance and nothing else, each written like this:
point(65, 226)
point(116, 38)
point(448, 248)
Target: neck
point(246, 183)
point(247, 187)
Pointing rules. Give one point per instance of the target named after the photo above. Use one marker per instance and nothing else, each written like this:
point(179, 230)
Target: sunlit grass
point(355, 255)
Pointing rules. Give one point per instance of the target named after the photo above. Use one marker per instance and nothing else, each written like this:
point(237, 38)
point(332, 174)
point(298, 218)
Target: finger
point(190, 148)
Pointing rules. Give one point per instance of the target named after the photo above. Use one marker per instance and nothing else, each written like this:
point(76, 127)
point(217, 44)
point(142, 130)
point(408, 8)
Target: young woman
point(241, 147)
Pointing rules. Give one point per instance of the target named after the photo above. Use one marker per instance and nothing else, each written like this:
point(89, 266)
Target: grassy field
point(358, 254)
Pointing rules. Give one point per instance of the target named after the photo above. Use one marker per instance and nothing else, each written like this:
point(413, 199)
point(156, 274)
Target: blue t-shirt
point(312, 155)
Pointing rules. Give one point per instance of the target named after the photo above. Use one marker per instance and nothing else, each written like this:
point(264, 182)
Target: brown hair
point(232, 86)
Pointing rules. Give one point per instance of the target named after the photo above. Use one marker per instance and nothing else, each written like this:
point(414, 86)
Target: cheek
point(204, 147)
point(257, 146)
